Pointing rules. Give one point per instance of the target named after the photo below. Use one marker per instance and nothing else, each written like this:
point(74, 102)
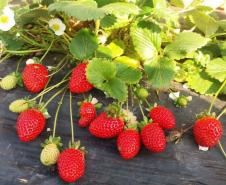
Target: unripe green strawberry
point(182, 101)
point(49, 154)
point(8, 82)
point(19, 106)
point(142, 93)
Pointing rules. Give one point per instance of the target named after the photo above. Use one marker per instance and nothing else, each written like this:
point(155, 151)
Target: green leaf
point(102, 74)
point(121, 9)
point(128, 61)
point(100, 70)
point(185, 42)
point(83, 45)
point(116, 88)
point(160, 72)
point(143, 43)
point(10, 41)
point(103, 52)
point(82, 10)
point(203, 83)
point(110, 22)
point(128, 74)
point(3, 4)
point(154, 32)
point(32, 15)
point(204, 22)
point(116, 47)
point(217, 69)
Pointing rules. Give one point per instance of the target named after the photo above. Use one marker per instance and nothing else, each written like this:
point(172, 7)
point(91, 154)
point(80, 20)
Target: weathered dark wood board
point(181, 164)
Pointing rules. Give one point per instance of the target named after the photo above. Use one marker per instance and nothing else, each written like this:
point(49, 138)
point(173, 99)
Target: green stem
point(222, 149)
point(54, 96)
point(5, 58)
point(141, 110)
point(25, 51)
point(48, 90)
point(97, 26)
point(18, 64)
point(146, 101)
point(57, 113)
point(47, 51)
point(221, 114)
point(72, 123)
point(30, 41)
point(215, 97)
point(59, 67)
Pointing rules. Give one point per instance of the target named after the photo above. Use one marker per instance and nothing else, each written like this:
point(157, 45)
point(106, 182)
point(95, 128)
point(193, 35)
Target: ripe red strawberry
point(71, 165)
point(30, 124)
point(207, 131)
point(163, 116)
point(78, 82)
point(87, 114)
point(106, 127)
point(153, 137)
point(128, 143)
point(35, 77)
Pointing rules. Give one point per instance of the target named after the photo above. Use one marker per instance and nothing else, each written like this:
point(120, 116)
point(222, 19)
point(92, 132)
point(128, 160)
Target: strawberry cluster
point(112, 122)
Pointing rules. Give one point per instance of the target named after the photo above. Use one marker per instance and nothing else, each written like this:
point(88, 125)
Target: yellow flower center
point(4, 19)
point(56, 27)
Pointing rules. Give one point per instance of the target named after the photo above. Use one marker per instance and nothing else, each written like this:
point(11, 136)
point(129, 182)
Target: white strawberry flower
point(102, 39)
point(7, 20)
point(203, 148)
point(174, 95)
point(94, 101)
point(57, 26)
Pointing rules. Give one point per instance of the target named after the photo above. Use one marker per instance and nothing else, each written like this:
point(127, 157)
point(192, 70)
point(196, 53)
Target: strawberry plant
point(124, 48)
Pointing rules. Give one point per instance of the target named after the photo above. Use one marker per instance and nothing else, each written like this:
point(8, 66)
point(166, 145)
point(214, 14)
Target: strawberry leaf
point(203, 83)
point(185, 42)
point(121, 9)
point(83, 45)
point(82, 10)
point(128, 74)
point(217, 69)
point(143, 43)
point(160, 72)
point(204, 22)
point(99, 71)
point(116, 88)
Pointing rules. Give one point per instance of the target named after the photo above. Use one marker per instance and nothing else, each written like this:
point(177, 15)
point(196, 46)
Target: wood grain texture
point(181, 164)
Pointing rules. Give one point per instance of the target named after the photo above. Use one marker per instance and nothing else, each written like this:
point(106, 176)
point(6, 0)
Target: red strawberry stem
point(222, 149)
point(57, 113)
point(71, 117)
point(215, 97)
point(54, 96)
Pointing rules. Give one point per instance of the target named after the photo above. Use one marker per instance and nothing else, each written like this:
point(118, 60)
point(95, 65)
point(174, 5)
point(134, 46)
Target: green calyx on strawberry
point(51, 151)
point(71, 163)
point(10, 81)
